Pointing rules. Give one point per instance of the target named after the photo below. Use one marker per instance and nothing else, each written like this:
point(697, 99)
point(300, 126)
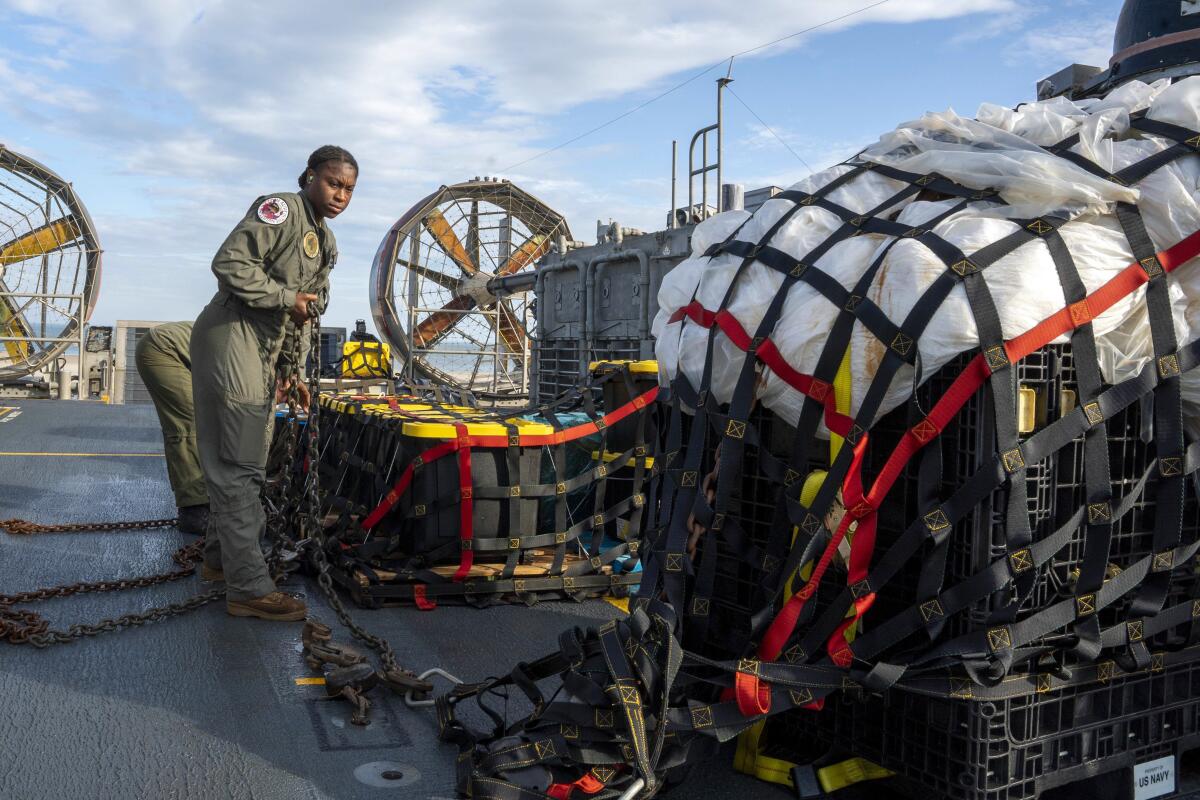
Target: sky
point(171, 117)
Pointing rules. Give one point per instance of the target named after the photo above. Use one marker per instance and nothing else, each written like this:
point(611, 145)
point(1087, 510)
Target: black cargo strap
point(634, 699)
point(969, 271)
point(416, 509)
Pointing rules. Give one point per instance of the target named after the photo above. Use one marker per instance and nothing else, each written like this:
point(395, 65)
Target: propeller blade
point(438, 324)
point(527, 253)
point(440, 278)
point(510, 329)
point(436, 222)
point(13, 324)
point(40, 241)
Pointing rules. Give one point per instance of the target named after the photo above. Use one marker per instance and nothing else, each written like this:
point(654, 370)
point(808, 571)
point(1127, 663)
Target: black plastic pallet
point(1080, 742)
point(1054, 486)
point(560, 367)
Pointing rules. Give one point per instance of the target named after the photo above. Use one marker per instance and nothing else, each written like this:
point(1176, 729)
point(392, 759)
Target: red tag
point(423, 602)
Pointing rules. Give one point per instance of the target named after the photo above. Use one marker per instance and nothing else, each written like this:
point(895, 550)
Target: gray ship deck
point(206, 705)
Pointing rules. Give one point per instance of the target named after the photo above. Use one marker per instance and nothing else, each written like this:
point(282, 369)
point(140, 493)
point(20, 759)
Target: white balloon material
point(1001, 149)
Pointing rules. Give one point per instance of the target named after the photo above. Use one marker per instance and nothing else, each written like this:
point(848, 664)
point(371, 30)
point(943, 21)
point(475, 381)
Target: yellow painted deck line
point(5, 409)
point(88, 455)
point(310, 681)
point(620, 602)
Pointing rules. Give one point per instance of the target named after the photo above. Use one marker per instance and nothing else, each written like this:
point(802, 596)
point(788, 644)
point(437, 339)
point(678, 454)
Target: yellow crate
point(632, 462)
point(635, 367)
point(445, 430)
point(425, 421)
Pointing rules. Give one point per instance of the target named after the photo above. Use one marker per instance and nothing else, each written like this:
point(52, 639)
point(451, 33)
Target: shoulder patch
point(273, 211)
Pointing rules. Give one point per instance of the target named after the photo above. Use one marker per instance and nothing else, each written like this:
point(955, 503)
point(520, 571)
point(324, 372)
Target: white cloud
point(213, 107)
point(23, 85)
point(1082, 41)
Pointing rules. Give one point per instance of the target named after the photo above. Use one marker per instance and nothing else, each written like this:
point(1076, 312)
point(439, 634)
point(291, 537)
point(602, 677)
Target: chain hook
point(410, 697)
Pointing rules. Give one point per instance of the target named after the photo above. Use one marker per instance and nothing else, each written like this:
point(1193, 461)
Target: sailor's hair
point(323, 155)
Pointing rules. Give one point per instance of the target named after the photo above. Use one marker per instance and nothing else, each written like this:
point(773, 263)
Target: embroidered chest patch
point(273, 211)
point(312, 245)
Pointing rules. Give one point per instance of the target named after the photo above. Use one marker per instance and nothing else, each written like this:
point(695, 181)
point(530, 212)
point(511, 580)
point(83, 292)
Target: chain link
point(20, 626)
point(291, 507)
point(20, 527)
point(308, 520)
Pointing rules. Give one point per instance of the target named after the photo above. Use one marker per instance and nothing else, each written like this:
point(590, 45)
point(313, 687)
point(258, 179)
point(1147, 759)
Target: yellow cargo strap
point(749, 758)
point(841, 396)
point(850, 771)
point(832, 778)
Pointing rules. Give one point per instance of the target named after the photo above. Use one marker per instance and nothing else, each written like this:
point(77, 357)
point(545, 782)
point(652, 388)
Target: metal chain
point(19, 626)
point(28, 627)
point(302, 515)
point(279, 498)
point(22, 527)
point(309, 520)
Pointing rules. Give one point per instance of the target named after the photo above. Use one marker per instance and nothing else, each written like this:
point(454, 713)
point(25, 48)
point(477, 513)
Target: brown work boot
point(275, 606)
point(207, 573)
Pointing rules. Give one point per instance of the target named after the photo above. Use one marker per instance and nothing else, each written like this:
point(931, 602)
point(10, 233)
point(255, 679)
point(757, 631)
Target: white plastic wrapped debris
point(1001, 149)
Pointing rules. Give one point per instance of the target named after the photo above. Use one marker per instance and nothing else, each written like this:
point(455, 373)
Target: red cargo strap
point(782, 626)
point(466, 441)
point(967, 383)
point(769, 354)
point(753, 696)
point(392, 497)
point(573, 433)
point(587, 784)
point(423, 602)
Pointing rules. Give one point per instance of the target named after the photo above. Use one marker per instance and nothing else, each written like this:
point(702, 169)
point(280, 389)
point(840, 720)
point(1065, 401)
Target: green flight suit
point(166, 368)
point(240, 341)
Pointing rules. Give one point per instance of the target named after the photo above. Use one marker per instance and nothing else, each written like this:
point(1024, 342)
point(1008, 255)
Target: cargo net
point(432, 500)
point(834, 306)
point(846, 403)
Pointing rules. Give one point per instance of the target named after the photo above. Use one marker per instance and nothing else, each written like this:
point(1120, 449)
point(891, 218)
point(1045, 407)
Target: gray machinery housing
point(597, 302)
point(1154, 39)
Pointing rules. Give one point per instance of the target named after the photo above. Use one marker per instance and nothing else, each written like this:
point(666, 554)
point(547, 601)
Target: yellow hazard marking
point(310, 681)
point(88, 455)
point(5, 409)
point(620, 602)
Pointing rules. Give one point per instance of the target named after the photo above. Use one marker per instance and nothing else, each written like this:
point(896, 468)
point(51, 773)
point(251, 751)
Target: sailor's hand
point(299, 309)
point(283, 392)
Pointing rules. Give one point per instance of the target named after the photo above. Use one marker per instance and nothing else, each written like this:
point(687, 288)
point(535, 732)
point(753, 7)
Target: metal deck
point(207, 705)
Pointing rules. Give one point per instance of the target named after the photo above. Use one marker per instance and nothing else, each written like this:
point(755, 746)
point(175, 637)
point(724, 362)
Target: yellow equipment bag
point(366, 360)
